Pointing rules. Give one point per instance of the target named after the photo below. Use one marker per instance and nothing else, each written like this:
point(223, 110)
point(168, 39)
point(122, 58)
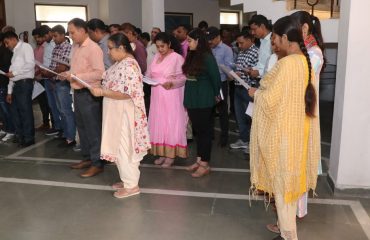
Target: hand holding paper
point(150, 81)
point(234, 75)
point(83, 82)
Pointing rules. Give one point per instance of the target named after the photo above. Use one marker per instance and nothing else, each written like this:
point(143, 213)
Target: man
point(181, 34)
point(261, 28)
point(97, 33)
point(49, 45)
point(151, 49)
point(224, 56)
point(145, 39)
point(42, 98)
point(21, 74)
point(113, 29)
point(60, 63)
point(87, 64)
point(247, 58)
point(5, 60)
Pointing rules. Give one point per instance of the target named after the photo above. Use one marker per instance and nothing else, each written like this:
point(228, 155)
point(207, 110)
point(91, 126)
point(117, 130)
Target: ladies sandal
point(168, 162)
point(193, 167)
point(201, 171)
point(127, 192)
point(273, 228)
point(159, 161)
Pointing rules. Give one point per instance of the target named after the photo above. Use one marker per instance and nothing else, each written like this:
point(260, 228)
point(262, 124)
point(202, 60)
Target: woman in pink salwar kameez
point(167, 115)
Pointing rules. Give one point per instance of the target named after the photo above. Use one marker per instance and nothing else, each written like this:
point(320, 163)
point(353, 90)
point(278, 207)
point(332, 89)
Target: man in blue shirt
point(224, 56)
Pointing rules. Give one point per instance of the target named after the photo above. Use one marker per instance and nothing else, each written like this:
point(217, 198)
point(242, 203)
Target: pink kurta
point(167, 115)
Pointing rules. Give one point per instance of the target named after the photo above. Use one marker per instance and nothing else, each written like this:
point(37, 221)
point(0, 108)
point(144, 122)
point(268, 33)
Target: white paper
point(150, 81)
point(250, 107)
point(40, 65)
point(222, 95)
point(3, 73)
point(37, 90)
point(227, 70)
point(83, 82)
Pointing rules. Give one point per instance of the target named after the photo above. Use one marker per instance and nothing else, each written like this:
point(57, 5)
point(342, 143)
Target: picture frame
point(172, 19)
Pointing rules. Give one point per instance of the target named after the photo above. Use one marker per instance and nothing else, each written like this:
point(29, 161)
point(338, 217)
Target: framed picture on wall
point(172, 19)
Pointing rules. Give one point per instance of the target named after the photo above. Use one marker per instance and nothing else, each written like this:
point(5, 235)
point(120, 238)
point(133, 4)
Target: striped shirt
point(247, 58)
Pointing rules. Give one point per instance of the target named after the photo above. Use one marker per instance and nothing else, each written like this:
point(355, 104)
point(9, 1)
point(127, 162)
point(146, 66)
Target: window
point(230, 18)
point(52, 15)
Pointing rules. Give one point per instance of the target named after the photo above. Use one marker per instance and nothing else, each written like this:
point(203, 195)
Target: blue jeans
point(50, 90)
point(21, 109)
point(241, 101)
point(5, 111)
point(64, 103)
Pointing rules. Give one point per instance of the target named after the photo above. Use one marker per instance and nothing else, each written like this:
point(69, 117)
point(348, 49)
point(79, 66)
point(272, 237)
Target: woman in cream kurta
point(285, 139)
point(125, 138)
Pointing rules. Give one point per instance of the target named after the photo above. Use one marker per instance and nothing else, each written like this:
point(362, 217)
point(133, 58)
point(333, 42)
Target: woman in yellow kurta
point(285, 142)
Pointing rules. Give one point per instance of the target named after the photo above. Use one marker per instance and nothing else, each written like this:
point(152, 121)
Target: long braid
point(310, 95)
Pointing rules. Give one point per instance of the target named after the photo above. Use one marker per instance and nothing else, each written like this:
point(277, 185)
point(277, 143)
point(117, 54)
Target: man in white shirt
point(21, 74)
point(151, 49)
point(260, 28)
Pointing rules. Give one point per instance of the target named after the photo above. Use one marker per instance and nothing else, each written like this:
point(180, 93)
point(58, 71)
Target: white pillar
point(152, 14)
point(350, 149)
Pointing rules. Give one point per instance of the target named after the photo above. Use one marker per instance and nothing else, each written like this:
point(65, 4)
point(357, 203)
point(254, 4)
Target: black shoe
point(278, 238)
point(67, 145)
point(26, 144)
point(52, 132)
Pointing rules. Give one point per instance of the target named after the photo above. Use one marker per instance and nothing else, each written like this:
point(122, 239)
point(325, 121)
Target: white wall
point(207, 10)
point(121, 11)
point(276, 9)
point(350, 151)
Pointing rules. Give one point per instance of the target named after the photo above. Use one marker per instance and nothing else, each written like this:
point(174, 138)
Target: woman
point(125, 138)
point(285, 138)
point(311, 33)
point(202, 91)
point(167, 115)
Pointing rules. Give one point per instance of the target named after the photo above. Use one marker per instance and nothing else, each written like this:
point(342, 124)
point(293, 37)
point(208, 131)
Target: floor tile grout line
point(24, 150)
point(357, 208)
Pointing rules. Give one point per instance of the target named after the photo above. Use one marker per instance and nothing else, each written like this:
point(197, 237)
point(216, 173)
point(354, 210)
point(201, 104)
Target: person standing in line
point(21, 74)
point(202, 92)
point(167, 115)
point(285, 137)
point(8, 132)
point(181, 34)
point(98, 33)
point(125, 137)
point(224, 56)
point(60, 63)
point(247, 58)
point(87, 64)
point(151, 49)
point(42, 98)
point(113, 28)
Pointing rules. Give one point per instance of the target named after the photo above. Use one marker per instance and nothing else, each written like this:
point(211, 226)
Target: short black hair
point(35, 32)
point(96, 23)
point(59, 29)
point(1, 36)
point(43, 30)
point(9, 35)
point(78, 23)
point(115, 25)
point(203, 24)
point(187, 27)
point(245, 34)
point(145, 36)
point(259, 19)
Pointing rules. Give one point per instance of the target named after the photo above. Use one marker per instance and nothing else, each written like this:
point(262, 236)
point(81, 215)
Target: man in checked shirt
point(247, 58)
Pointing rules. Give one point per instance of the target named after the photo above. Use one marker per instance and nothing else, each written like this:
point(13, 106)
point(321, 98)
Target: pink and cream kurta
point(167, 115)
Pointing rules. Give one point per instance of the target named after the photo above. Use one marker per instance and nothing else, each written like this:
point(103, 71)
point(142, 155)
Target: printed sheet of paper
point(40, 65)
point(230, 72)
point(37, 90)
point(83, 82)
point(250, 107)
point(3, 73)
point(150, 81)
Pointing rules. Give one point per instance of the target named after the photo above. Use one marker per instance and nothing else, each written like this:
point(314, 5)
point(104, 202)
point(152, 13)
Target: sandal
point(273, 228)
point(118, 186)
point(201, 171)
point(168, 162)
point(193, 167)
point(159, 161)
point(127, 192)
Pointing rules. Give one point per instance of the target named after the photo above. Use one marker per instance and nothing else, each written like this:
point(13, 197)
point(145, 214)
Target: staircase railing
point(312, 4)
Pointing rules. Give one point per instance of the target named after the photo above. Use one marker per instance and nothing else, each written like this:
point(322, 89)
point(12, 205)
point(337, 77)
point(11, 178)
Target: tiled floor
point(42, 199)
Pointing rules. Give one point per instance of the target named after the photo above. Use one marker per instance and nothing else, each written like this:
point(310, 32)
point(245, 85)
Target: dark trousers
point(223, 110)
point(43, 103)
point(202, 121)
point(88, 113)
point(241, 101)
point(147, 92)
point(5, 112)
point(21, 110)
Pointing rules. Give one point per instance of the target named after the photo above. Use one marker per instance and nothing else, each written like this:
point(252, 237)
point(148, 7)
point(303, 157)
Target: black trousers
point(44, 106)
point(223, 110)
point(202, 121)
point(88, 113)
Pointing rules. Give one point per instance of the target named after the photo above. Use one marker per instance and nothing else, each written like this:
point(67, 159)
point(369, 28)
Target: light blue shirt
point(48, 52)
point(264, 54)
point(103, 44)
point(224, 55)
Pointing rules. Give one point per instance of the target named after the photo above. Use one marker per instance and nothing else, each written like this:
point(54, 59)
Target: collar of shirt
point(267, 37)
point(104, 39)
point(19, 43)
point(85, 43)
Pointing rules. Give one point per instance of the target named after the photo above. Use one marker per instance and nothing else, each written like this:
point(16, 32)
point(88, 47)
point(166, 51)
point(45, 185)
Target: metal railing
point(313, 3)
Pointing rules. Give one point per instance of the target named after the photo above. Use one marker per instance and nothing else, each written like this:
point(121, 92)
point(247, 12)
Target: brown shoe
point(43, 127)
point(81, 165)
point(91, 172)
